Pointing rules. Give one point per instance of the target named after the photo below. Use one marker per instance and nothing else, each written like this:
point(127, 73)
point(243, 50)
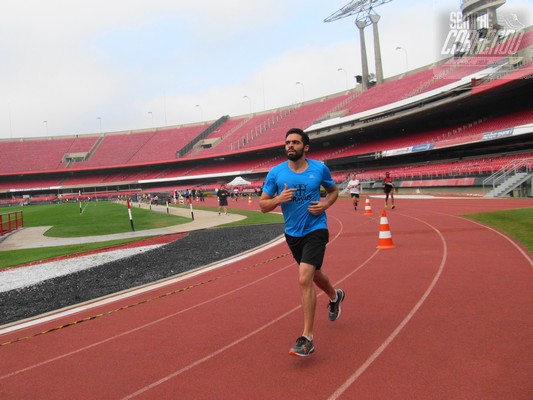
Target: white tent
point(238, 181)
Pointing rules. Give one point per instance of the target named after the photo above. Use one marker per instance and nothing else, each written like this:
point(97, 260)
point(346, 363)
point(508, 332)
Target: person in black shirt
point(223, 195)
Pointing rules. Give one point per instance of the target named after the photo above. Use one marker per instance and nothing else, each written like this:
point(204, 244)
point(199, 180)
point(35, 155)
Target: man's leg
point(322, 281)
point(308, 293)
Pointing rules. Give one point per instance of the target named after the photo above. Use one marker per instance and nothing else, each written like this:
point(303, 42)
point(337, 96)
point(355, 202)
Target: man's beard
point(296, 156)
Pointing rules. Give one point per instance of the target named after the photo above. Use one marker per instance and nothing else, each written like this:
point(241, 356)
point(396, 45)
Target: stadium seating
point(165, 143)
point(142, 151)
point(41, 154)
point(474, 166)
point(268, 129)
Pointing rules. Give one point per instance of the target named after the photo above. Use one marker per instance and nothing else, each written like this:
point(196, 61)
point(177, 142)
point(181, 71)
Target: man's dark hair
point(298, 131)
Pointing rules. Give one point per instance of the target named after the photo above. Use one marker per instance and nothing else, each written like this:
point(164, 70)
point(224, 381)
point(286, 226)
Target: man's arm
point(268, 203)
point(333, 194)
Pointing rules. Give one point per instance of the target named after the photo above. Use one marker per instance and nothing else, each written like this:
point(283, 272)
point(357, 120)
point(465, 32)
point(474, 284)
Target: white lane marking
point(402, 324)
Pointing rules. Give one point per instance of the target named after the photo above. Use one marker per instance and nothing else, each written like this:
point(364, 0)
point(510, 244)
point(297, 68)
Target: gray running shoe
point(334, 307)
point(303, 348)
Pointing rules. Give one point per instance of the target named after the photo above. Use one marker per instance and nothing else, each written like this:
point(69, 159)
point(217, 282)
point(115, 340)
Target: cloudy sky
point(77, 67)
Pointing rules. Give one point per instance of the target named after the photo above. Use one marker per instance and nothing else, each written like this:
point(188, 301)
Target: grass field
point(13, 258)
point(96, 218)
point(100, 218)
point(516, 223)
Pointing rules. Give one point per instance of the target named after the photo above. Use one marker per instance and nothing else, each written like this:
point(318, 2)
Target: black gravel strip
point(195, 250)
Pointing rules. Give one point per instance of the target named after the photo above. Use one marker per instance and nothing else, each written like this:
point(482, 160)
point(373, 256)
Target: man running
point(354, 186)
point(295, 186)
point(388, 189)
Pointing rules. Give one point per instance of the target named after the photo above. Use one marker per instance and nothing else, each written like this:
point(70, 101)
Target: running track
point(447, 314)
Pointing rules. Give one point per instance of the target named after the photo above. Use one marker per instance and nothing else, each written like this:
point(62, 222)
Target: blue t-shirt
point(298, 220)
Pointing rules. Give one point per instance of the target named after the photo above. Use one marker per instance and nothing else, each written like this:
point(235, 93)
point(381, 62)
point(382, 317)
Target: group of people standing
point(191, 195)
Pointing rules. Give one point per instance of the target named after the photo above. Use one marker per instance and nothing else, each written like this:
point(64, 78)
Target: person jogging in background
point(354, 186)
point(388, 189)
point(295, 186)
point(223, 195)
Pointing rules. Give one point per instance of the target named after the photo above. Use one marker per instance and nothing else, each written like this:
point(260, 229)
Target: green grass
point(101, 218)
point(24, 256)
point(97, 218)
point(516, 223)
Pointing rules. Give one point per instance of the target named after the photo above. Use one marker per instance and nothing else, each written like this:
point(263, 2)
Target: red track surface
point(447, 314)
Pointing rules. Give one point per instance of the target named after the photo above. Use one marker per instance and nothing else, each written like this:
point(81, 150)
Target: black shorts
point(387, 188)
point(309, 249)
point(223, 202)
point(352, 195)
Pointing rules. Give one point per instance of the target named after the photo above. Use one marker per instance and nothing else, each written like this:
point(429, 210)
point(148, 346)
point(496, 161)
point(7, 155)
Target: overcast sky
point(77, 67)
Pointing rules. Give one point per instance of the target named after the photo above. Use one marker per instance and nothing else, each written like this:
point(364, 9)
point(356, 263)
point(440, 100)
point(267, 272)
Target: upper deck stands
point(270, 128)
point(82, 144)
point(141, 147)
point(41, 154)
point(259, 130)
point(116, 149)
point(165, 143)
point(458, 68)
point(244, 133)
point(426, 80)
point(388, 92)
point(219, 138)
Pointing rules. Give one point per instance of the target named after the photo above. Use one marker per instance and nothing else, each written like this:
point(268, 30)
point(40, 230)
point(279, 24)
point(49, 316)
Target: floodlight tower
point(364, 16)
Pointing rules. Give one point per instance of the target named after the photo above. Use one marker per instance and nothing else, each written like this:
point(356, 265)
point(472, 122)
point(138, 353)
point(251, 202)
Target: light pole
point(406, 58)
point(345, 76)
point(152, 115)
point(46, 126)
point(100, 122)
point(303, 91)
point(249, 101)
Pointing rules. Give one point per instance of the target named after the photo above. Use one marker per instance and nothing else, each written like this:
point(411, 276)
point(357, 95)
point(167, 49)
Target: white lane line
point(109, 339)
point(206, 358)
point(506, 237)
point(402, 324)
point(242, 338)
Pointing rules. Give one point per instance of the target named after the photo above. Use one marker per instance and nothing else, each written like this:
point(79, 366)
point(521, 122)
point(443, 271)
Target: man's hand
point(318, 207)
point(287, 194)
point(267, 203)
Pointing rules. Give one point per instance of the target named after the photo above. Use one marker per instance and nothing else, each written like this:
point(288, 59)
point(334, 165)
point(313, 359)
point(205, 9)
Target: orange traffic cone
point(249, 200)
point(368, 208)
point(385, 237)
